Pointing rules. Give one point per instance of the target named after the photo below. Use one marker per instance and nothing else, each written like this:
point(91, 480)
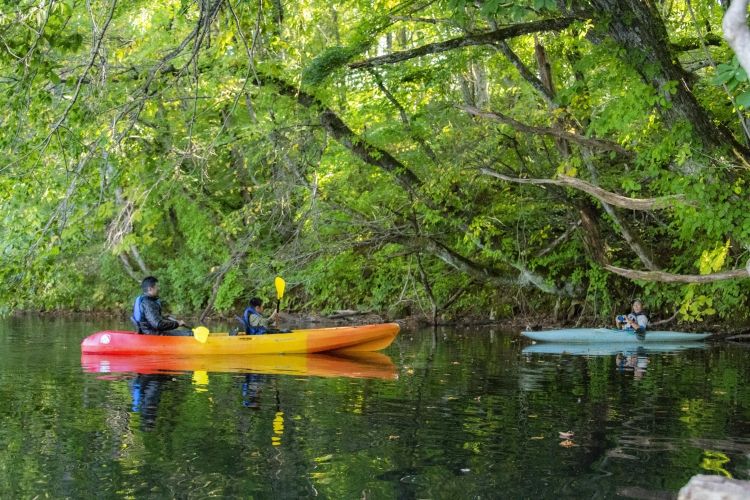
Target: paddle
point(200, 333)
point(280, 286)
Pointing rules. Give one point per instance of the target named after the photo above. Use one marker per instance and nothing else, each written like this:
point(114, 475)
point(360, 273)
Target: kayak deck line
point(353, 338)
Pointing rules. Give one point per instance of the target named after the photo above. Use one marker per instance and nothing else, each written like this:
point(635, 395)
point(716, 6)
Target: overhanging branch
point(665, 277)
point(485, 38)
point(644, 204)
point(570, 136)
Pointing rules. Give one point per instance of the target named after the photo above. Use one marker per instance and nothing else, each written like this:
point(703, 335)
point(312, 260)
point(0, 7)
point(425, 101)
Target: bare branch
point(600, 194)
point(665, 277)
point(526, 73)
point(554, 132)
point(486, 38)
point(404, 116)
point(485, 274)
point(560, 239)
point(629, 236)
point(128, 268)
point(94, 53)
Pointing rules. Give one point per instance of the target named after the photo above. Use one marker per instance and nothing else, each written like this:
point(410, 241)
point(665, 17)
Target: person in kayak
point(254, 321)
point(147, 315)
point(636, 320)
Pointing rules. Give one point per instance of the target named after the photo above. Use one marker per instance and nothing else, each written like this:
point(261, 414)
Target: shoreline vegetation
point(513, 163)
point(353, 317)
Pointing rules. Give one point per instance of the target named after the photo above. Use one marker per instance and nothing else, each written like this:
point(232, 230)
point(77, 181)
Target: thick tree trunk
point(638, 27)
point(592, 237)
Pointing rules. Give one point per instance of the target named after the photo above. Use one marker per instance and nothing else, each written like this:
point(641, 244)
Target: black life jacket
point(137, 316)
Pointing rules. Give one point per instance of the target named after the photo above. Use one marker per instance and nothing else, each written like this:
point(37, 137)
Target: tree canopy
point(416, 157)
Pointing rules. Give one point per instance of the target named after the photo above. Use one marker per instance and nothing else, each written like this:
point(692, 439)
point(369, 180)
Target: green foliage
point(327, 62)
point(172, 158)
point(733, 76)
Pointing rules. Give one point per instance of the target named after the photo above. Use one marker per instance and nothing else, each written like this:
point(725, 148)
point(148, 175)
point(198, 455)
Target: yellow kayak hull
point(347, 338)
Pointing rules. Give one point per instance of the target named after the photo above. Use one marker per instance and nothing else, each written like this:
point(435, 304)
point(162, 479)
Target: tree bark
point(637, 26)
point(644, 204)
point(486, 38)
point(525, 73)
point(592, 237)
point(597, 144)
point(665, 277)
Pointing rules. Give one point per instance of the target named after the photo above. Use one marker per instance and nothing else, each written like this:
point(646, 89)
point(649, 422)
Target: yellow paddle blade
point(201, 334)
point(280, 286)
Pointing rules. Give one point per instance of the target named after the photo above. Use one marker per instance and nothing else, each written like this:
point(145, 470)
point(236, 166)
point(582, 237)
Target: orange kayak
point(353, 364)
point(347, 338)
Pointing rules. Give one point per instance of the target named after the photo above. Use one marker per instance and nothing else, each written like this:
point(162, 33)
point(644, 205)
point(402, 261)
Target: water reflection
point(354, 365)
point(632, 362)
point(469, 416)
point(605, 349)
point(145, 391)
point(252, 386)
point(154, 373)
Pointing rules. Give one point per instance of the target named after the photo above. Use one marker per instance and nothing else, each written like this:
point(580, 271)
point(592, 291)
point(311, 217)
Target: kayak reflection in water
point(147, 316)
point(146, 393)
point(637, 363)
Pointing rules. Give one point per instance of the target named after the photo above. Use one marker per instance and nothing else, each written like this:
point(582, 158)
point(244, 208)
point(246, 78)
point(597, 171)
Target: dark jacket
point(254, 322)
point(150, 320)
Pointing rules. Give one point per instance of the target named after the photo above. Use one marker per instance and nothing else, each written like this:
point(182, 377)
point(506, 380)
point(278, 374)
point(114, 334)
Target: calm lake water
point(457, 414)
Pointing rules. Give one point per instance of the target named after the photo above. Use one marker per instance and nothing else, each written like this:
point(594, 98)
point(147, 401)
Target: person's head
point(150, 286)
point(256, 304)
point(637, 306)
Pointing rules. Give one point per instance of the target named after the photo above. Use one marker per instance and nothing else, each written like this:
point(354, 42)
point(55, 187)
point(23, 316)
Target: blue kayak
point(611, 335)
point(606, 349)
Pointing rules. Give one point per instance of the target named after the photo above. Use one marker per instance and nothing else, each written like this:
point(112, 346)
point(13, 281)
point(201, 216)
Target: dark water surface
point(459, 414)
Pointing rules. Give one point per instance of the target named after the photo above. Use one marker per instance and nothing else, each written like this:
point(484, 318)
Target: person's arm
point(258, 320)
point(153, 316)
point(642, 321)
point(630, 322)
